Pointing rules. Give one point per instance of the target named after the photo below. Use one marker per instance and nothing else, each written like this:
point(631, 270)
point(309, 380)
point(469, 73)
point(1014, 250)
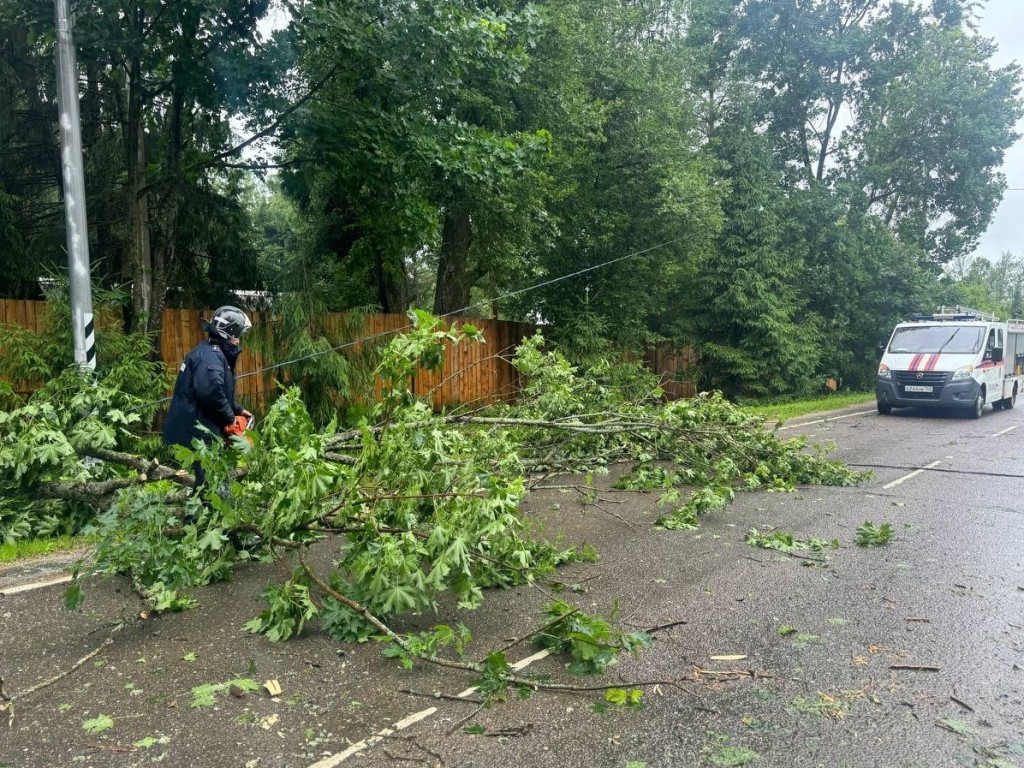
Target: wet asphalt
point(819, 684)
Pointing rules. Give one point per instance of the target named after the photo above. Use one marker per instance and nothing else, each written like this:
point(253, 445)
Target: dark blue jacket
point(203, 394)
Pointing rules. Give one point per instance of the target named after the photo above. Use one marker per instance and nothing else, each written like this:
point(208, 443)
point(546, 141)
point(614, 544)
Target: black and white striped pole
point(82, 325)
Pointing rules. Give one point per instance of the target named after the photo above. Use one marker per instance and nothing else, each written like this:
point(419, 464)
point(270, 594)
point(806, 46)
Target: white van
point(956, 358)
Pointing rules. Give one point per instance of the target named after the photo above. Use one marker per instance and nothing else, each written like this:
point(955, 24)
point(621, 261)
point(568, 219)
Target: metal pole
point(83, 330)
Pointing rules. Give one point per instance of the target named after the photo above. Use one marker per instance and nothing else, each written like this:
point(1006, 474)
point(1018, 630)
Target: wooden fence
point(476, 374)
point(674, 364)
point(27, 314)
point(473, 374)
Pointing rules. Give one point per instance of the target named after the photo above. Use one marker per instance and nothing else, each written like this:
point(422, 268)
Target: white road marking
point(359, 746)
point(822, 421)
point(1008, 429)
point(915, 473)
point(34, 585)
point(530, 659)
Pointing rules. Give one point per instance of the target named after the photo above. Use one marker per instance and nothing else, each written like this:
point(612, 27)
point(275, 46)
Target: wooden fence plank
point(474, 374)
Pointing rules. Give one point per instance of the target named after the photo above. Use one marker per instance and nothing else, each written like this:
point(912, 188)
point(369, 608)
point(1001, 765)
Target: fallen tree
point(416, 503)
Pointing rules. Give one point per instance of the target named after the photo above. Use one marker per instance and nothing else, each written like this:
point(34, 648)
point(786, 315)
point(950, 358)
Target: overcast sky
point(1003, 20)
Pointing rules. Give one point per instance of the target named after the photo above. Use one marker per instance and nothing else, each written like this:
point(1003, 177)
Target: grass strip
point(26, 548)
point(777, 411)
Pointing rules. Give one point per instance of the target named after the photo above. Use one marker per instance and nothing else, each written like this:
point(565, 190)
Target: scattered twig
point(581, 489)
point(467, 718)
point(520, 730)
point(557, 620)
point(575, 585)
point(962, 703)
point(8, 701)
point(639, 607)
point(661, 627)
point(109, 747)
point(439, 695)
point(411, 740)
point(920, 619)
point(916, 667)
point(753, 673)
point(812, 558)
point(617, 516)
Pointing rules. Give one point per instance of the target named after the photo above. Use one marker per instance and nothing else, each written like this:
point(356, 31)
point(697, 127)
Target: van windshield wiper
point(948, 340)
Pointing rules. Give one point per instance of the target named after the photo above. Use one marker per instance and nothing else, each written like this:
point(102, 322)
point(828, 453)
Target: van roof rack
point(956, 313)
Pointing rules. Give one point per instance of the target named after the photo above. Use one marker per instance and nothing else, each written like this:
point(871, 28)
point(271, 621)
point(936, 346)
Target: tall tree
point(887, 124)
point(409, 153)
point(746, 315)
point(629, 183)
point(897, 97)
point(161, 84)
point(30, 166)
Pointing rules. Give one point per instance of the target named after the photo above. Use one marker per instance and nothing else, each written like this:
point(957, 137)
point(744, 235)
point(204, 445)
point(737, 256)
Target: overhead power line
point(486, 302)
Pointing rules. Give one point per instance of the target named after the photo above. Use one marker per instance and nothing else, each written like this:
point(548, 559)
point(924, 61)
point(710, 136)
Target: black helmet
point(229, 322)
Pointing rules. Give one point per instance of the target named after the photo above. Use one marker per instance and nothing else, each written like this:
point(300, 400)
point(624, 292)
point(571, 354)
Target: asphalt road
point(944, 600)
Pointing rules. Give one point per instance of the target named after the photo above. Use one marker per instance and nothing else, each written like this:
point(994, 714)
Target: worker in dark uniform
point(204, 393)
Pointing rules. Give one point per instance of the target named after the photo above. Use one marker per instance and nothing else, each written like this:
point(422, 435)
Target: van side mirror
point(997, 354)
point(880, 351)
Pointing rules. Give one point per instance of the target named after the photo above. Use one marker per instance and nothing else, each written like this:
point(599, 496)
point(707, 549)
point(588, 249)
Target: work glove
point(237, 427)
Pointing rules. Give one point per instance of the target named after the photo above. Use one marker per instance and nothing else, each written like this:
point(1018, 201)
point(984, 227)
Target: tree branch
point(270, 129)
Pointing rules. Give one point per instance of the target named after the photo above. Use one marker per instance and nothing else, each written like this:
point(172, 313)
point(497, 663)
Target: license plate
point(917, 388)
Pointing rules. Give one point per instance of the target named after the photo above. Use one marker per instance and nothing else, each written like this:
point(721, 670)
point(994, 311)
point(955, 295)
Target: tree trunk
point(140, 260)
point(392, 284)
point(452, 289)
point(104, 253)
point(163, 257)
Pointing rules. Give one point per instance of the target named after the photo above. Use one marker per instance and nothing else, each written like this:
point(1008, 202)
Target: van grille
point(934, 379)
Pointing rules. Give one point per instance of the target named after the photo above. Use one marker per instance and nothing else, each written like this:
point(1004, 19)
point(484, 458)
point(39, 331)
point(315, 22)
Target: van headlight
point(962, 373)
point(884, 372)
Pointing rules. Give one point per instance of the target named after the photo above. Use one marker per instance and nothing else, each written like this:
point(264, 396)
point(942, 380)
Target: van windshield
point(954, 339)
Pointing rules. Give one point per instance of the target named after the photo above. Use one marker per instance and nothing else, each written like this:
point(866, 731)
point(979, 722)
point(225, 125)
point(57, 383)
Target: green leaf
point(730, 757)
point(206, 695)
point(870, 535)
point(212, 539)
point(73, 597)
point(98, 724)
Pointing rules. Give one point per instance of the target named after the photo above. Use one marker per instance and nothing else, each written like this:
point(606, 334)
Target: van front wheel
point(979, 405)
point(884, 409)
